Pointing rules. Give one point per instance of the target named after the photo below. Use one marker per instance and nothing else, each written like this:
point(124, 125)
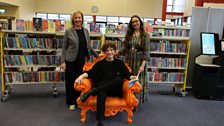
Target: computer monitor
point(209, 43)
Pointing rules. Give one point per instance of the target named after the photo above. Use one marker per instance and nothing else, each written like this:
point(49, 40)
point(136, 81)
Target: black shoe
point(84, 97)
point(100, 124)
point(135, 109)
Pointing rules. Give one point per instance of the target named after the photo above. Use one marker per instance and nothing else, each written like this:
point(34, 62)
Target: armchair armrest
point(128, 92)
point(84, 86)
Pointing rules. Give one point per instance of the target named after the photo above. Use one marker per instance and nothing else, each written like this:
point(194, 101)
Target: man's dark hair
point(106, 45)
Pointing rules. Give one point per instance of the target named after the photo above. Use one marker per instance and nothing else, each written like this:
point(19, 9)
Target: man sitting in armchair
point(107, 75)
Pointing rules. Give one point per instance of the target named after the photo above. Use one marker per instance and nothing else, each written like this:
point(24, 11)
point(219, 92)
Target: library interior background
point(185, 73)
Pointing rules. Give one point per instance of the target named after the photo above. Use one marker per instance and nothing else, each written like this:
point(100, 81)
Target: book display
point(30, 58)
point(169, 57)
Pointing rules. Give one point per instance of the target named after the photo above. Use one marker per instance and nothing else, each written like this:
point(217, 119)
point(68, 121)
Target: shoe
point(84, 97)
point(135, 109)
point(100, 124)
point(72, 107)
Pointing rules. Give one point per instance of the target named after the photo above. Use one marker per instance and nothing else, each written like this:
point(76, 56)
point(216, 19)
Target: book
point(37, 24)
point(45, 25)
point(131, 82)
point(29, 25)
point(57, 25)
point(51, 26)
point(20, 25)
point(13, 25)
point(68, 24)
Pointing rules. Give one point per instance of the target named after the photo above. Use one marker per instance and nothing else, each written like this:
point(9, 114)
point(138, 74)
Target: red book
point(45, 25)
point(57, 25)
point(57, 76)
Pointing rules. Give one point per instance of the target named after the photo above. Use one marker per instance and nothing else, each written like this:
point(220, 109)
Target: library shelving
point(169, 62)
point(30, 58)
point(96, 41)
point(115, 38)
point(169, 57)
point(174, 31)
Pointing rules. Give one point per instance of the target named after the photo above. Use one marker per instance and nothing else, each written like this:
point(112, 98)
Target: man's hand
point(79, 80)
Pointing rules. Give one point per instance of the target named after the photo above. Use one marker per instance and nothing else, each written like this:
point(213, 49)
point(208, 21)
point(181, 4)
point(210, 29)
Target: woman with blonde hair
point(76, 48)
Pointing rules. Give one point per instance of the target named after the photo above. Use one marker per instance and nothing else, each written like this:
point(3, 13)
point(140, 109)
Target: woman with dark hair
point(136, 50)
point(76, 47)
point(107, 75)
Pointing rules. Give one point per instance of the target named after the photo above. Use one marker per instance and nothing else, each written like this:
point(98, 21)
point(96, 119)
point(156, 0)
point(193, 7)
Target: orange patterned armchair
point(113, 104)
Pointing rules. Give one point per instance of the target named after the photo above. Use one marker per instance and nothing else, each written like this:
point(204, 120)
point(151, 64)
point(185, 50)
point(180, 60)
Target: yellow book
point(18, 42)
point(51, 26)
point(30, 25)
point(22, 58)
point(68, 24)
point(28, 42)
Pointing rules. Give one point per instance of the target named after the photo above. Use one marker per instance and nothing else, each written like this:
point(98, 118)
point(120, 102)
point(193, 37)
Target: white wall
point(213, 5)
point(27, 9)
point(144, 8)
point(188, 7)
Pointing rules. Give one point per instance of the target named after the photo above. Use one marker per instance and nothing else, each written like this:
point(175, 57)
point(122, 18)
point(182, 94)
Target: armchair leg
point(130, 115)
point(83, 115)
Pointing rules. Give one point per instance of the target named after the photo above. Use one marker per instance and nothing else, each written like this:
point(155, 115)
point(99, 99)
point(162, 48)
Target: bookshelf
point(30, 58)
point(172, 31)
point(115, 38)
point(96, 41)
point(169, 56)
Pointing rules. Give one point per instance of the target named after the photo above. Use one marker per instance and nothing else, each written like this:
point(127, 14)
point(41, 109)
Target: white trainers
point(72, 107)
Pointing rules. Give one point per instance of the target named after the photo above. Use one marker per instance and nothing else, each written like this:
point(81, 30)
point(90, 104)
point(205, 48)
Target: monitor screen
point(208, 41)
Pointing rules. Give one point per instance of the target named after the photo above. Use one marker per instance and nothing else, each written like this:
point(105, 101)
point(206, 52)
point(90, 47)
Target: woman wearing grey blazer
point(76, 48)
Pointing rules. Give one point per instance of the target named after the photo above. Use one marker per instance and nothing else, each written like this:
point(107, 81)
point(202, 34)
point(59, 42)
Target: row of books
point(113, 28)
point(31, 43)
point(39, 24)
point(166, 77)
point(167, 46)
point(24, 60)
point(173, 32)
point(19, 77)
point(167, 62)
point(110, 28)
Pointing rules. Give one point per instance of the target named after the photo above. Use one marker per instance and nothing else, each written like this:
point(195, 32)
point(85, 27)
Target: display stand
point(206, 76)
